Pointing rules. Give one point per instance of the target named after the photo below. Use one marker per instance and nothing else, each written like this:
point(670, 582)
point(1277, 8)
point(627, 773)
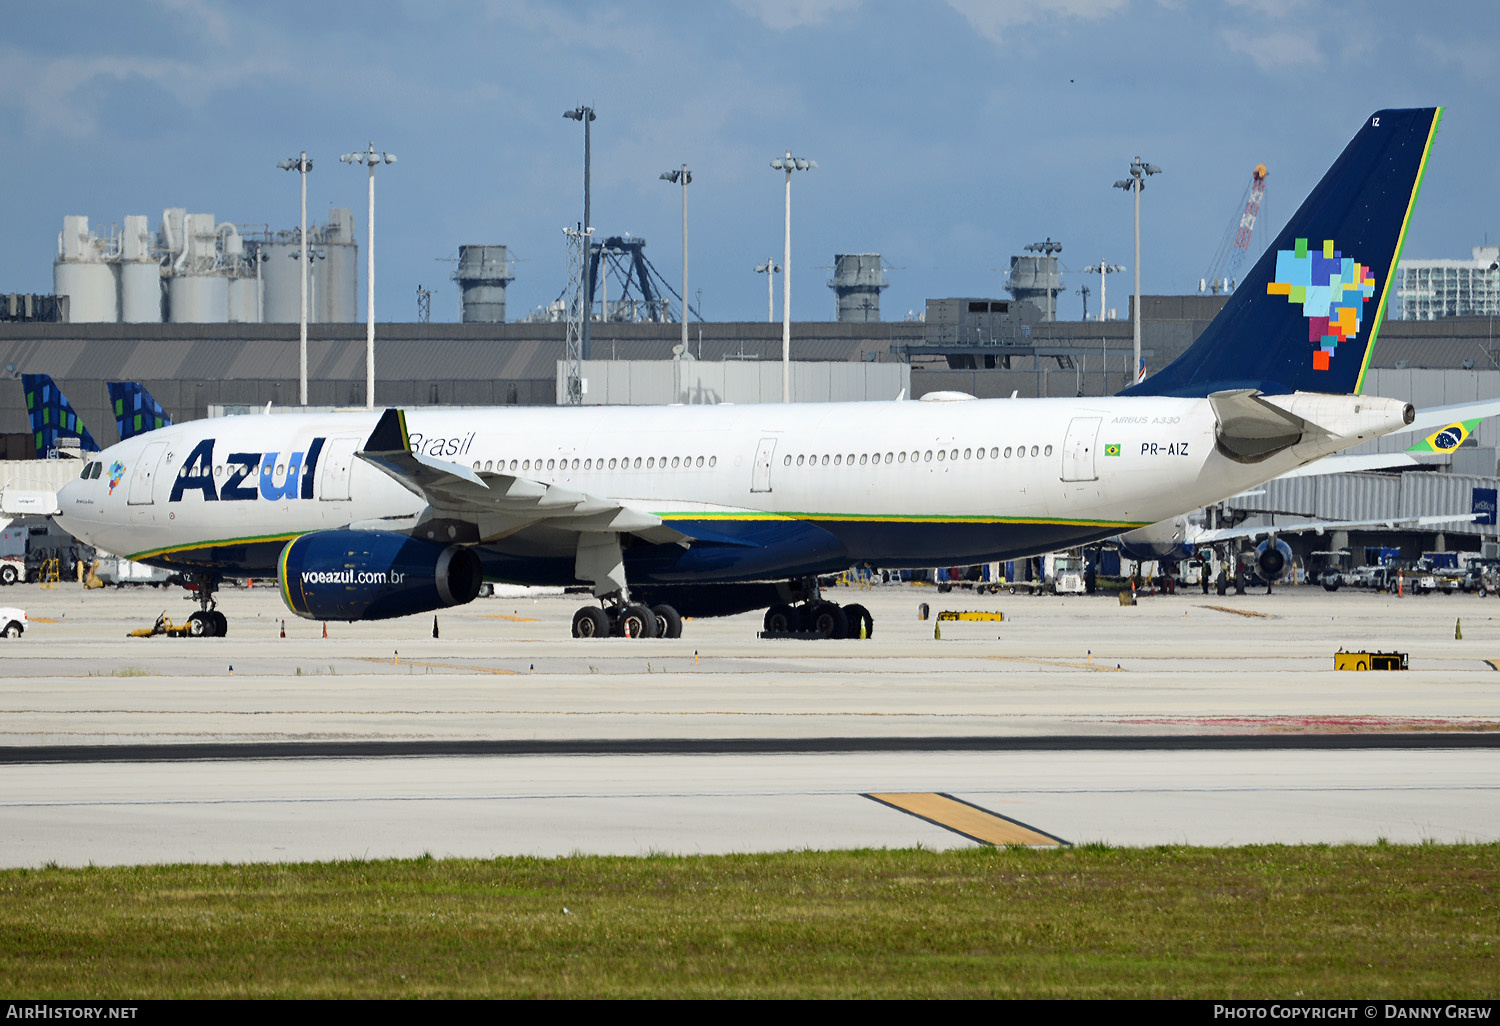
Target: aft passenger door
point(760, 480)
point(1079, 449)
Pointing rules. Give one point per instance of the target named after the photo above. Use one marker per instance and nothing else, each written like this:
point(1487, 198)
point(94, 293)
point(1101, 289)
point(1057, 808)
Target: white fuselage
point(877, 474)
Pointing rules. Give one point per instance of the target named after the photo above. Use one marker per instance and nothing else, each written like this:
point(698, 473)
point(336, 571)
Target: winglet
point(390, 433)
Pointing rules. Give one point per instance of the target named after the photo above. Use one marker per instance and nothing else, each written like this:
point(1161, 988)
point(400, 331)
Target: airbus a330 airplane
point(703, 510)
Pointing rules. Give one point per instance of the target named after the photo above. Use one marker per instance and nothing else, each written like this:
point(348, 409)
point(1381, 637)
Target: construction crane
point(1223, 273)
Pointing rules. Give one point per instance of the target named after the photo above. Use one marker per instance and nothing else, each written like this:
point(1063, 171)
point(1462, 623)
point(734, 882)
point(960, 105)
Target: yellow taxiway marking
point(441, 666)
point(1240, 612)
point(507, 616)
point(971, 821)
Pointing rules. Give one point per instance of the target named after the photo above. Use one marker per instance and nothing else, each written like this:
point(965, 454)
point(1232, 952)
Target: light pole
point(370, 157)
point(1049, 251)
point(586, 116)
point(788, 164)
point(1134, 184)
point(1101, 268)
point(770, 269)
point(301, 165)
point(684, 176)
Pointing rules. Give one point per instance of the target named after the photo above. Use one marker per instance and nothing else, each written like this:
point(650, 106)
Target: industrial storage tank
point(857, 281)
point(332, 287)
point(198, 298)
point(244, 300)
point(81, 272)
point(140, 274)
point(337, 274)
point(483, 272)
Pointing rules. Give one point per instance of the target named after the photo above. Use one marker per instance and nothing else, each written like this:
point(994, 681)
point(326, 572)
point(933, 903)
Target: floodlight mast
point(369, 157)
point(1134, 184)
point(301, 165)
point(682, 176)
point(586, 116)
point(788, 164)
point(770, 269)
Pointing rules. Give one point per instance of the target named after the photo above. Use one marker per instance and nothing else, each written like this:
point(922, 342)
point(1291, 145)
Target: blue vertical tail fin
point(1306, 317)
point(136, 411)
point(52, 417)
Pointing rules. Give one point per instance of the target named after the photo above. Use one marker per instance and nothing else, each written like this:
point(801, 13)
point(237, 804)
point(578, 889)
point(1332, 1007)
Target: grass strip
point(1419, 921)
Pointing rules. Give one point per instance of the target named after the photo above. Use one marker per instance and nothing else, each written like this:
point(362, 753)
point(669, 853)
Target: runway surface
point(1073, 720)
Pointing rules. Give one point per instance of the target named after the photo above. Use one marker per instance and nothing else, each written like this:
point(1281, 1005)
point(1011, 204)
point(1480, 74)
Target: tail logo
point(1332, 290)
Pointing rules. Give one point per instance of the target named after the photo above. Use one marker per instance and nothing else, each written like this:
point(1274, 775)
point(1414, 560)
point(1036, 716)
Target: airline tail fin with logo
point(136, 411)
point(1306, 317)
point(52, 417)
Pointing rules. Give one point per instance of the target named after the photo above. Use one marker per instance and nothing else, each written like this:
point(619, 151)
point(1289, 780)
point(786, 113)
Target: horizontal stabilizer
point(1251, 429)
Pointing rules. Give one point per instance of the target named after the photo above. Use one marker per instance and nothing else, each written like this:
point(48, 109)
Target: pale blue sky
point(948, 134)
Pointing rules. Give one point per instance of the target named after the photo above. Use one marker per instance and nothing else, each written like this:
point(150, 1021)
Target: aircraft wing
point(1265, 531)
point(494, 504)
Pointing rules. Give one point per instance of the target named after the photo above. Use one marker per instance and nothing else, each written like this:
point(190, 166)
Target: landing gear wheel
point(668, 623)
point(782, 619)
point(859, 616)
point(828, 620)
point(636, 620)
point(200, 625)
point(221, 623)
point(12, 630)
point(8, 574)
point(590, 622)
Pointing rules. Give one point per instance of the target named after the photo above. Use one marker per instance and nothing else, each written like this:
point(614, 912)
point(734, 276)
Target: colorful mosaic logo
point(1332, 290)
point(116, 472)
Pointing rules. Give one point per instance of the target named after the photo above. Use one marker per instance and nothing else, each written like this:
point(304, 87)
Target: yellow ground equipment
point(162, 626)
point(969, 614)
point(1369, 660)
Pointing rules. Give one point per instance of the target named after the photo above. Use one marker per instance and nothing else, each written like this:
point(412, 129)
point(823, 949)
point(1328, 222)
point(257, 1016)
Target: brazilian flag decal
point(1112, 450)
point(1446, 439)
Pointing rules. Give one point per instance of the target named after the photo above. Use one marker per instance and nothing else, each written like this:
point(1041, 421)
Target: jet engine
point(374, 575)
point(1273, 559)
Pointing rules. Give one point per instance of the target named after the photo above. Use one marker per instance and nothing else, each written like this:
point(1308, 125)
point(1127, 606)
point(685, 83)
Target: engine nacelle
point(1273, 559)
point(374, 575)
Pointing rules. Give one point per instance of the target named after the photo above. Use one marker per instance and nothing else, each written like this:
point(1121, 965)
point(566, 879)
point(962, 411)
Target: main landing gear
point(820, 618)
point(600, 560)
point(627, 620)
point(207, 622)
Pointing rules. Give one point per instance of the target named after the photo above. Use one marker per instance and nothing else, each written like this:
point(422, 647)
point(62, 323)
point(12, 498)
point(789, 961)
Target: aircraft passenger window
point(788, 461)
point(901, 456)
point(1047, 451)
point(825, 459)
point(650, 462)
point(637, 463)
point(850, 461)
point(799, 460)
point(838, 460)
point(1007, 452)
point(525, 464)
point(713, 461)
point(888, 457)
point(612, 463)
point(219, 470)
point(1033, 450)
point(929, 456)
point(575, 464)
point(862, 458)
point(512, 464)
point(995, 452)
point(916, 455)
point(953, 455)
point(551, 464)
point(942, 455)
point(700, 461)
point(674, 461)
point(279, 469)
point(969, 453)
